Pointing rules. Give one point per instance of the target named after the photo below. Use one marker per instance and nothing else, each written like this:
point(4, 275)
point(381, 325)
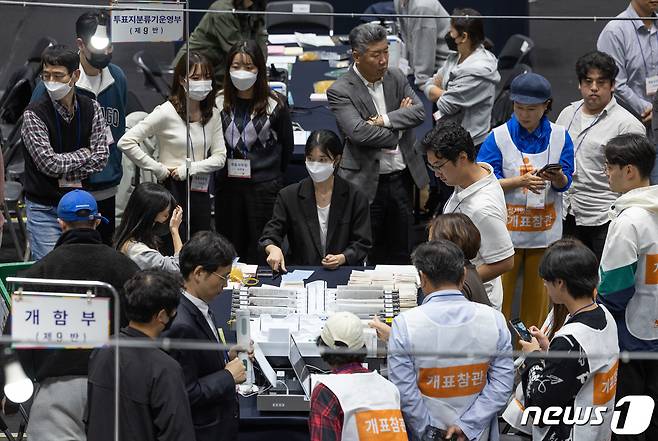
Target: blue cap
point(530, 88)
point(78, 205)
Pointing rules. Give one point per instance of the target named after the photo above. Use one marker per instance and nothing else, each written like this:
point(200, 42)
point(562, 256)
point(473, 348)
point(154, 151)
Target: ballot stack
point(400, 279)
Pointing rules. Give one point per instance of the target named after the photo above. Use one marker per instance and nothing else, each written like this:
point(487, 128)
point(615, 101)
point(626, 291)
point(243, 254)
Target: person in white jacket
point(629, 265)
point(464, 88)
point(168, 123)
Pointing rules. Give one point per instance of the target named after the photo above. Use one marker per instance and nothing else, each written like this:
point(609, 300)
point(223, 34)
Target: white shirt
point(170, 130)
point(389, 160)
point(484, 203)
point(95, 83)
point(589, 198)
point(203, 307)
point(323, 219)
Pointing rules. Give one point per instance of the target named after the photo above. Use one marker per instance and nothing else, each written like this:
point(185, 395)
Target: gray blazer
point(352, 106)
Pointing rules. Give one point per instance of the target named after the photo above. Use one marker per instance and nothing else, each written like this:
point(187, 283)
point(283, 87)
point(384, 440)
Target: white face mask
point(243, 79)
point(319, 171)
point(199, 89)
point(57, 90)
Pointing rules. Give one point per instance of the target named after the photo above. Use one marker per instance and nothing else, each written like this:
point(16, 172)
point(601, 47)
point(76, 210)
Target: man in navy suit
point(210, 376)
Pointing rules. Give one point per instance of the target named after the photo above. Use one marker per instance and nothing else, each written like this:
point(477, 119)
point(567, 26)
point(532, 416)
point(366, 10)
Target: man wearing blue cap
point(79, 254)
point(533, 160)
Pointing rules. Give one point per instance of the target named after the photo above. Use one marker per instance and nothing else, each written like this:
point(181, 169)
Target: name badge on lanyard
point(200, 182)
point(652, 84)
point(536, 200)
point(239, 168)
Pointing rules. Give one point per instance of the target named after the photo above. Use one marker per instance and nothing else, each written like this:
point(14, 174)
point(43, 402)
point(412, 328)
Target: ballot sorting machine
point(284, 323)
point(317, 299)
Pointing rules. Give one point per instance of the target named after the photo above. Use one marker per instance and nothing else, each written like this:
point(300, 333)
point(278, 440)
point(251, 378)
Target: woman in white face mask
point(168, 125)
point(326, 219)
point(259, 142)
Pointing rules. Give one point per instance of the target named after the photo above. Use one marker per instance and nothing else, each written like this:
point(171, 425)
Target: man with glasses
point(592, 122)
point(210, 376)
point(629, 266)
point(477, 194)
point(105, 83)
point(65, 138)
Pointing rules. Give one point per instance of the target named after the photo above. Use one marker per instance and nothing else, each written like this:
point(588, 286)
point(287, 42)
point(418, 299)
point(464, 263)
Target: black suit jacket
point(210, 388)
point(295, 215)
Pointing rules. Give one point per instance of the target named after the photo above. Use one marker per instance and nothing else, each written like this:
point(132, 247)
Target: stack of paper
point(314, 40)
point(403, 278)
point(301, 39)
point(276, 50)
point(406, 280)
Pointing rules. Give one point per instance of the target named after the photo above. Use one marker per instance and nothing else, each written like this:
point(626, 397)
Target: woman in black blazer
point(326, 219)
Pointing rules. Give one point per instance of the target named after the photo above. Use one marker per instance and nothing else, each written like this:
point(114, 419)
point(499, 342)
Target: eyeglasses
point(56, 76)
point(436, 167)
point(224, 278)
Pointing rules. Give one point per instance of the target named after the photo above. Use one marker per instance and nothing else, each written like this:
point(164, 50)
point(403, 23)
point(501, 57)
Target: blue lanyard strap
point(59, 127)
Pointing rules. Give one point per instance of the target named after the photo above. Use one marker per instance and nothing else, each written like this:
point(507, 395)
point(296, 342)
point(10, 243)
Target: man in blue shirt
point(461, 395)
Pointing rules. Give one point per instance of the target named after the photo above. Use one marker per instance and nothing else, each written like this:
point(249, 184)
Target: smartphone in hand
point(549, 168)
point(521, 329)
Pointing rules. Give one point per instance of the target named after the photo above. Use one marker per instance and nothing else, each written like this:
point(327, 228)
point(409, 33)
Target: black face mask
point(161, 229)
point(450, 41)
point(169, 323)
point(99, 61)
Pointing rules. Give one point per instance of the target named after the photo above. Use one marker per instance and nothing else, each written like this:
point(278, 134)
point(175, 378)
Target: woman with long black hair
point(258, 135)
point(150, 214)
point(168, 124)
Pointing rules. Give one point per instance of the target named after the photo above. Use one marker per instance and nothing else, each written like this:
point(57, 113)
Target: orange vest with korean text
point(371, 406)
point(449, 386)
point(531, 223)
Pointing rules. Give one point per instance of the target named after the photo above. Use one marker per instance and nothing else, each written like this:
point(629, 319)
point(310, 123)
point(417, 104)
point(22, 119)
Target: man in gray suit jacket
point(376, 110)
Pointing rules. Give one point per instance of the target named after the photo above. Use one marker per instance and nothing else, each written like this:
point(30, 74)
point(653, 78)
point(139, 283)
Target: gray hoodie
point(470, 88)
point(424, 36)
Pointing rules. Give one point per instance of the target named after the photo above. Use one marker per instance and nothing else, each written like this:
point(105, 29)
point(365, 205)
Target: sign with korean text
point(522, 218)
point(381, 425)
point(54, 321)
point(605, 386)
point(131, 25)
point(453, 381)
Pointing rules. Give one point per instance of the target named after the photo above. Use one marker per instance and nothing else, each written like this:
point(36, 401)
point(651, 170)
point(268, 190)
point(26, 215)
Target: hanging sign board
point(54, 321)
point(132, 26)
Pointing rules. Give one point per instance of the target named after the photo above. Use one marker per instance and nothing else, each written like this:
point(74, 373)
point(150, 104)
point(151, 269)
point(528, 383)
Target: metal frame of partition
point(17, 284)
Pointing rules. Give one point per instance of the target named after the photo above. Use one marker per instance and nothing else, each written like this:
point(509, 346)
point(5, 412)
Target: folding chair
point(295, 20)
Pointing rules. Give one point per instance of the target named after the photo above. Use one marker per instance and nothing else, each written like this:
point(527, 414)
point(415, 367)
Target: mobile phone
point(550, 168)
point(521, 329)
point(435, 434)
